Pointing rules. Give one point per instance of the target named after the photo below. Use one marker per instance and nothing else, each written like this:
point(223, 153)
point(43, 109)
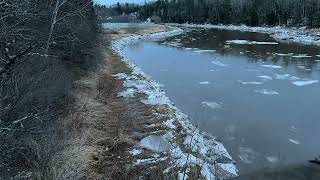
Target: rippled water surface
point(260, 97)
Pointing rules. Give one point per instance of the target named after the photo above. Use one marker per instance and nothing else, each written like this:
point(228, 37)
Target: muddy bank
point(170, 144)
point(124, 127)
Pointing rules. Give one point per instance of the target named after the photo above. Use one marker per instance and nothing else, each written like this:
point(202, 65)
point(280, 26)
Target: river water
point(260, 97)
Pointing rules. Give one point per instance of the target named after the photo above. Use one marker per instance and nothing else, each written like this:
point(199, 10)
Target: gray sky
point(110, 2)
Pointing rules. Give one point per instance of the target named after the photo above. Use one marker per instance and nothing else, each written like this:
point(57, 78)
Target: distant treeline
point(103, 12)
point(44, 47)
point(250, 12)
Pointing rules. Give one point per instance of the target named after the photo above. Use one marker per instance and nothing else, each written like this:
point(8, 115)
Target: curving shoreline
point(188, 148)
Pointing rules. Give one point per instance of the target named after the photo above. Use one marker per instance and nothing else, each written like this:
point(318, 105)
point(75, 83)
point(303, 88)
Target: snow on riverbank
point(196, 148)
point(299, 35)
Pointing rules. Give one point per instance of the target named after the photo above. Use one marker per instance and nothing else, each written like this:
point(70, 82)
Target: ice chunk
point(204, 82)
point(218, 63)
point(242, 42)
point(202, 51)
point(212, 105)
point(135, 152)
point(229, 167)
point(280, 54)
point(247, 155)
point(267, 92)
point(155, 143)
point(170, 124)
point(293, 141)
point(282, 76)
point(272, 66)
point(127, 93)
point(265, 77)
point(302, 56)
point(250, 82)
point(305, 83)
point(272, 159)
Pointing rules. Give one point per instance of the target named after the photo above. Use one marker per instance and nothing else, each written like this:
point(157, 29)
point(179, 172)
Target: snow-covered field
point(299, 35)
point(197, 148)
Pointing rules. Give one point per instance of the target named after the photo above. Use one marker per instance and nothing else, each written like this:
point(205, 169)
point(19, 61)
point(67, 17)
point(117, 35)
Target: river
point(260, 97)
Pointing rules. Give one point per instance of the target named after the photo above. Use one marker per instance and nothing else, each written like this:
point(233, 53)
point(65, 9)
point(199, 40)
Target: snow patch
point(135, 152)
point(155, 143)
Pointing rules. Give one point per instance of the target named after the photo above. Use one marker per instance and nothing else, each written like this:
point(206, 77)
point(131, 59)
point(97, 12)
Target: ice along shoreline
point(297, 35)
point(182, 143)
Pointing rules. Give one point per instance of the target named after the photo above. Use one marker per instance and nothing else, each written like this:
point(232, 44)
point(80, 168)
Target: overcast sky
point(110, 2)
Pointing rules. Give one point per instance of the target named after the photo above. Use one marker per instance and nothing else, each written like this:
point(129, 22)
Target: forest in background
point(249, 12)
point(45, 46)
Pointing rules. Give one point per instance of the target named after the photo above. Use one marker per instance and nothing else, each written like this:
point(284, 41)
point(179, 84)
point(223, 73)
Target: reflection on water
point(259, 96)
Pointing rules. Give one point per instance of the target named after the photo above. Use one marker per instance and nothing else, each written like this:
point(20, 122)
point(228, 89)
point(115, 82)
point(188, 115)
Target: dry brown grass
point(101, 124)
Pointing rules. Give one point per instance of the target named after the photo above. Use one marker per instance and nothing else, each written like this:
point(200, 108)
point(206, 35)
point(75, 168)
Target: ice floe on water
point(293, 141)
point(271, 66)
point(204, 51)
point(250, 82)
point(305, 82)
point(265, 77)
point(212, 105)
point(197, 149)
point(279, 33)
point(281, 54)
point(302, 56)
point(247, 42)
point(219, 63)
point(272, 159)
point(247, 155)
point(266, 92)
point(286, 77)
point(204, 82)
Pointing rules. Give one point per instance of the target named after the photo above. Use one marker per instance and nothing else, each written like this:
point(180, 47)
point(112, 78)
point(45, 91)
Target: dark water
point(261, 101)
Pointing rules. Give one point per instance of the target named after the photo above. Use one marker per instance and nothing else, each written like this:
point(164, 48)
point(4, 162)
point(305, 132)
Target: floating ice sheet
point(204, 51)
point(212, 105)
point(265, 77)
point(247, 42)
point(305, 83)
point(204, 82)
point(293, 141)
point(272, 66)
point(266, 92)
point(218, 63)
point(250, 82)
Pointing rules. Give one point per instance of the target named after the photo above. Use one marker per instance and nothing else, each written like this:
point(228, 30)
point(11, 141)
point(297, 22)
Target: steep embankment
point(128, 128)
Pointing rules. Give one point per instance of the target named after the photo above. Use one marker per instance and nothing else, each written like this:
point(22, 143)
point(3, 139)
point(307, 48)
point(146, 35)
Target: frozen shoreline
point(197, 149)
point(298, 35)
